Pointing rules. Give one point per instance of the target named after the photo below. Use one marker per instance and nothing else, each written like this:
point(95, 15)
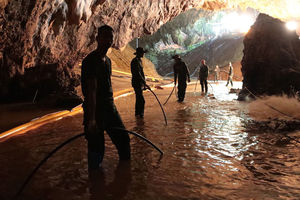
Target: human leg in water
point(96, 148)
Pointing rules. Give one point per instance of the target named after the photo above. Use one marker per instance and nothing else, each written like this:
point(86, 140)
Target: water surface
point(210, 152)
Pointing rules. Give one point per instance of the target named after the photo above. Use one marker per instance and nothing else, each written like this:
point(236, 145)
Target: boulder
point(271, 61)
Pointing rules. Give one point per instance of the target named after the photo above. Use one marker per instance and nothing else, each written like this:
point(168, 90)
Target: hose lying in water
point(148, 87)
point(142, 137)
point(162, 109)
point(170, 95)
point(67, 142)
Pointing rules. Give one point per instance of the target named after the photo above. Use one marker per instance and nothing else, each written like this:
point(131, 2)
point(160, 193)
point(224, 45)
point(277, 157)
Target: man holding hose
point(100, 113)
point(138, 81)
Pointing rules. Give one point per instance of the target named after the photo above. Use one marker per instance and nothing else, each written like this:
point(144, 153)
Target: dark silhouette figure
point(100, 113)
point(138, 81)
point(181, 72)
point(230, 75)
point(203, 74)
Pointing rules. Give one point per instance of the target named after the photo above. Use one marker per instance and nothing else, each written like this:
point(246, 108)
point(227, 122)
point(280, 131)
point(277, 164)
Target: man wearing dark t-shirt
point(100, 113)
point(181, 73)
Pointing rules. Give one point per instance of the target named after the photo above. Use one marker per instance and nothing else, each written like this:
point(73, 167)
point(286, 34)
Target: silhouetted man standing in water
point(203, 74)
point(182, 73)
point(138, 81)
point(230, 75)
point(217, 73)
point(100, 113)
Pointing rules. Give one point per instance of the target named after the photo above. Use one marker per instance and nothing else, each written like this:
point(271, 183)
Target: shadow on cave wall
point(47, 82)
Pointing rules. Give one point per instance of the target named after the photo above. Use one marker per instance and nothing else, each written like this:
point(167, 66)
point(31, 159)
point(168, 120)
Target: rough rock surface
point(46, 33)
point(61, 32)
point(271, 61)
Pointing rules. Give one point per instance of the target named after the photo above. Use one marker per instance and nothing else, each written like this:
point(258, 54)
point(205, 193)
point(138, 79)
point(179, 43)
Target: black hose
point(44, 160)
point(148, 87)
point(162, 109)
point(67, 142)
point(170, 95)
point(142, 137)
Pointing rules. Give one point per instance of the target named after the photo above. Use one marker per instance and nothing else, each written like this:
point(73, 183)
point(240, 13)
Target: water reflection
point(139, 126)
point(117, 189)
point(181, 119)
point(211, 152)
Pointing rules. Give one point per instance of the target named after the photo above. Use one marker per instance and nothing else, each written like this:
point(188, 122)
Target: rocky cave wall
point(59, 33)
point(39, 35)
point(271, 61)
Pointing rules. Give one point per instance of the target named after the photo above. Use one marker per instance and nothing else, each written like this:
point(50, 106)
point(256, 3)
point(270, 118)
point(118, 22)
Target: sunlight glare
point(237, 23)
point(291, 25)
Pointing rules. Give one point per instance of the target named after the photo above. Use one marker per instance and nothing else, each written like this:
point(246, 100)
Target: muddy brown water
point(209, 153)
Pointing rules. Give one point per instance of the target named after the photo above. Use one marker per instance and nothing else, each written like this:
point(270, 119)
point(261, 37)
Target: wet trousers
point(229, 80)
point(181, 90)
point(139, 101)
point(107, 120)
point(203, 82)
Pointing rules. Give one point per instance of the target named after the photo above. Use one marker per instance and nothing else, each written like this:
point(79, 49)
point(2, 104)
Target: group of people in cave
point(100, 113)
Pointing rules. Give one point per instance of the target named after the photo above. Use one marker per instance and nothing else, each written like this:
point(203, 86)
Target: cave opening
point(216, 36)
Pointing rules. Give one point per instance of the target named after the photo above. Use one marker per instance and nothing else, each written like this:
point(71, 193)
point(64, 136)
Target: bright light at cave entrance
point(293, 7)
point(291, 25)
point(245, 22)
point(237, 23)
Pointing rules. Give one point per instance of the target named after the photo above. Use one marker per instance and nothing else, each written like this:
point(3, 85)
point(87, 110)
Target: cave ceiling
point(52, 31)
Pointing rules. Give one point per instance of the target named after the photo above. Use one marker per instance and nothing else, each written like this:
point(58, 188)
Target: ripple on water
point(209, 153)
